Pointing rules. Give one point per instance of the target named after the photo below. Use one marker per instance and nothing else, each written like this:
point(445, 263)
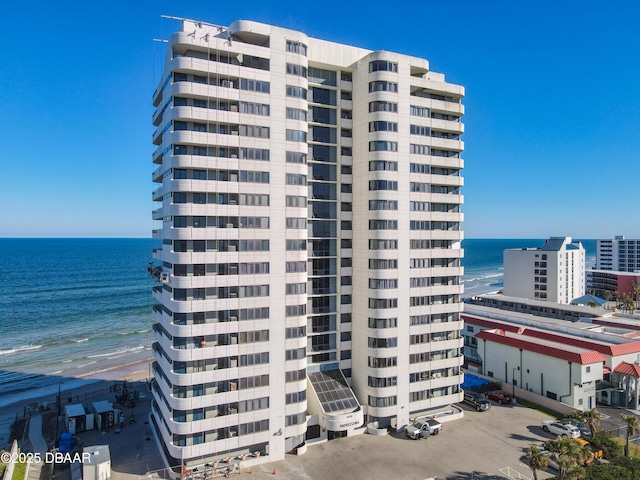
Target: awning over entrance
point(340, 408)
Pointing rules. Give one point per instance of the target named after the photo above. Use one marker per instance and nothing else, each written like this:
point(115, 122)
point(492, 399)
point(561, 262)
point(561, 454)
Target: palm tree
point(629, 304)
point(636, 292)
point(570, 457)
point(536, 460)
point(607, 296)
point(592, 418)
point(633, 427)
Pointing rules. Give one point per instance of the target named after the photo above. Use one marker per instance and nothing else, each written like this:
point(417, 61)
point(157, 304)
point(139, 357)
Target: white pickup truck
point(423, 428)
point(562, 429)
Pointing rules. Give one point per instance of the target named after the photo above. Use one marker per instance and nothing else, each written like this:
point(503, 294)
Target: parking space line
point(511, 472)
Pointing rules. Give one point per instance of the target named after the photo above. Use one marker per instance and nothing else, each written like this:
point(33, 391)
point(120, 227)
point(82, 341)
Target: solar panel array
point(334, 394)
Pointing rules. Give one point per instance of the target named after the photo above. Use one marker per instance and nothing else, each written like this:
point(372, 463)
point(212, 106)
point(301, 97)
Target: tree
point(592, 418)
point(633, 427)
point(536, 460)
point(571, 456)
point(636, 292)
point(629, 304)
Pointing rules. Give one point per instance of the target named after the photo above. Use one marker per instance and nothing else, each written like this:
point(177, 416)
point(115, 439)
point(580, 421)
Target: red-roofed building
point(573, 363)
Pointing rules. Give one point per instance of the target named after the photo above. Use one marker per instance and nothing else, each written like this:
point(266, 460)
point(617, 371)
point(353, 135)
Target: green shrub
point(610, 448)
point(607, 472)
point(632, 465)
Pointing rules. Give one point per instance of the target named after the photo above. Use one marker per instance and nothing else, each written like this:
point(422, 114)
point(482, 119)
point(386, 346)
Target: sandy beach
point(13, 405)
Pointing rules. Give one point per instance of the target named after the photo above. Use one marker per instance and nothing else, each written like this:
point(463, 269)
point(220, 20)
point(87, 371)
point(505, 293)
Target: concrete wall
point(532, 397)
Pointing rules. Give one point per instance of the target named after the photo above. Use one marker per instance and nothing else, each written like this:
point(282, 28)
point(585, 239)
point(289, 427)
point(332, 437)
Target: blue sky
point(552, 102)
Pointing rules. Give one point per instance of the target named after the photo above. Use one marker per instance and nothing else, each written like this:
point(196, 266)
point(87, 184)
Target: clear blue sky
point(552, 101)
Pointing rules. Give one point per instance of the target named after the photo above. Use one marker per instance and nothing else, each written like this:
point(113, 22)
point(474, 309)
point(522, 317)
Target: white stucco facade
point(308, 220)
point(553, 273)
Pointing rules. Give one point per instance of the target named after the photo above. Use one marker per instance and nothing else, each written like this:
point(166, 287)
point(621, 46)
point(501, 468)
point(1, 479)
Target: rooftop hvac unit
point(164, 277)
point(227, 84)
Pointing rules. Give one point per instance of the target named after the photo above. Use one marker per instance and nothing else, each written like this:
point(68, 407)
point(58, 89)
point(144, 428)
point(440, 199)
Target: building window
point(298, 70)
point(382, 66)
point(296, 92)
point(382, 146)
point(296, 47)
point(379, 106)
point(381, 86)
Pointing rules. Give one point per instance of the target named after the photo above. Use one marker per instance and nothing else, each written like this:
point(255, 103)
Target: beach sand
point(13, 405)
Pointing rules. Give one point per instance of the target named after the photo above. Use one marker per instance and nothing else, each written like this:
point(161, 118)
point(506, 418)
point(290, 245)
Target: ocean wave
point(116, 352)
point(82, 340)
point(87, 364)
point(24, 348)
point(483, 277)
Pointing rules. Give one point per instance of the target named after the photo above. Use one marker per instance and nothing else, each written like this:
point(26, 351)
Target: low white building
point(553, 273)
point(574, 362)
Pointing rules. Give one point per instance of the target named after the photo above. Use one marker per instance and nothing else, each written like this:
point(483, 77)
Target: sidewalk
point(39, 446)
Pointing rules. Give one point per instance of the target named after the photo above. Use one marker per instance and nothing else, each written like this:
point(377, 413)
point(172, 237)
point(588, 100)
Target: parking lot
point(482, 445)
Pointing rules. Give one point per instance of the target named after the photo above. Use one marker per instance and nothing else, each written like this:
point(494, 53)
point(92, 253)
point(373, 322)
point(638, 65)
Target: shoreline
point(13, 404)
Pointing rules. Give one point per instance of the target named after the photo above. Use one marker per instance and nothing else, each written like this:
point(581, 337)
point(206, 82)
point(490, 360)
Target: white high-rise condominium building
point(553, 273)
point(309, 241)
point(619, 254)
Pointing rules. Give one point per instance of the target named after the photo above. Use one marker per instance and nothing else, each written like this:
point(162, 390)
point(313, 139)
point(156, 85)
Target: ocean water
point(483, 260)
point(72, 307)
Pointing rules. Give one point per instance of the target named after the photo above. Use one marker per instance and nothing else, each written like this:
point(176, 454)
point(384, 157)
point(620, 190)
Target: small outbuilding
point(105, 414)
point(96, 465)
point(77, 419)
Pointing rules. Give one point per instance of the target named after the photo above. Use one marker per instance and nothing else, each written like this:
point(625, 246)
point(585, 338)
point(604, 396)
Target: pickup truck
point(423, 428)
point(562, 429)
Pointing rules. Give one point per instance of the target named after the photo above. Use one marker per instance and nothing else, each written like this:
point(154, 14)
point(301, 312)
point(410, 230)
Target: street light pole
point(59, 402)
point(513, 383)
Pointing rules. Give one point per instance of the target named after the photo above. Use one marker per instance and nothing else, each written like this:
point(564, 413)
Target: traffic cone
point(274, 471)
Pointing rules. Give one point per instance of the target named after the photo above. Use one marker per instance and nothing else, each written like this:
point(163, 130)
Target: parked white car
point(562, 429)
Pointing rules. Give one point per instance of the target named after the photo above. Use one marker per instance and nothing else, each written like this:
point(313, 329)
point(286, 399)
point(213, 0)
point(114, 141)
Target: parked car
point(499, 396)
point(558, 428)
point(423, 428)
point(584, 429)
point(478, 400)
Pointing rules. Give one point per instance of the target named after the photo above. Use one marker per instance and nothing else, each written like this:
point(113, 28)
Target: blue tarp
point(66, 443)
point(471, 382)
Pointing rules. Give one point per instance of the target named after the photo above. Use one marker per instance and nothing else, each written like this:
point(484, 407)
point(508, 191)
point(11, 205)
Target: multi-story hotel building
point(553, 273)
point(309, 241)
point(619, 254)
